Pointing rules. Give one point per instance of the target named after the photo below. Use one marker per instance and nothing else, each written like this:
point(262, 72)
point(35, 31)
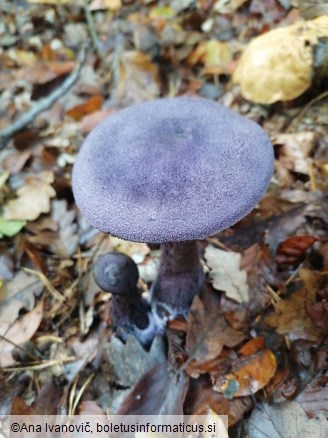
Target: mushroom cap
point(171, 170)
point(117, 273)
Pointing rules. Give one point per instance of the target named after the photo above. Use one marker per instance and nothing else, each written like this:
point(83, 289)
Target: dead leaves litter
point(226, 273)
point(33, 198)
point(137, 78)
point(20, 331)
point(208, 332)
point(249, 373)
point(291, 317)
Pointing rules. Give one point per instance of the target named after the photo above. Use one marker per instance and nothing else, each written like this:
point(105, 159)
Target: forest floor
point(261, 355)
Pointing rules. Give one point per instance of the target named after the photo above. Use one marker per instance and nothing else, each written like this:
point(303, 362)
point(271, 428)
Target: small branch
point(45, 103)
point(304, 110)
point(93, 32)
point(23, 350)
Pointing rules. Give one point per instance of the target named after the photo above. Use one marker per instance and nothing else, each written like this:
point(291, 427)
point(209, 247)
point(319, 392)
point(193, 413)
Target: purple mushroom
point(171, 171)
point(117, 273)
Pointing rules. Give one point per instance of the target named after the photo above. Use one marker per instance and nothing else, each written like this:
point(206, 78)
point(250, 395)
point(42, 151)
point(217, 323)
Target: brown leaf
point(208, 332)
point(21, 331)
point(90, 121)
point(276, 227)
point(16, 161)
point(252, 346)
point(137, 78)
point(33, 198)
point(261, 271)
point(226, 273)
point(279, 420)
point(284, 385)
point(216, 56)
point(314, 398)
point(159, 391)
point(90, 407)
point(18, 294)
point(47, 400)
point(42, 73)
point(202, 396)
point(112, 5)
point(318, 312)
point(312, 8)
point(295, 149)
point(67, 238)
point(88, 107)
point(250, 373)
point(8, 393)
point(291, 251)
point(291, 318)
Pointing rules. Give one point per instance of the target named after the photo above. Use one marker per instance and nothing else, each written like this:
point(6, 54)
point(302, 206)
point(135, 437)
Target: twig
point(93, 32)
point(74, 401)
point(41, 365)
point(299, 115)
point(53, 291)
point(45, 103)
point(23, 350)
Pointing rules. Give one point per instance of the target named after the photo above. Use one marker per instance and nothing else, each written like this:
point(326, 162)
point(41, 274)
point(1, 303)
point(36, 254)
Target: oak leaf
point(226, 273)
point(33, 198)
point(208, 332)
point(291, 317)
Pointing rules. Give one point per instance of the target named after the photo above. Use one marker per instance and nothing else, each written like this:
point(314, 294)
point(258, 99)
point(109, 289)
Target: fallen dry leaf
point(159, 391)
point(17, 294)
point(291, 251)
point(67, 238)
point(249, 373)
point(207, 333)
point(259, 265)
point(50, 2)
point(216, 56)
point(295, 150)
point(90, 121)
point(278, 65)
point(90, 106)
point(281, 420)
point(42, 73)
point(311, 8)
point(318, 312)
point(137, 78)
point(117, 360)
point(314, 397)
point(291, 318)
point(136, 250)
point(201, 396)
point(226, 273)
point(33, 198)
point(112, 5)
point(20, 331)
point(15, 162)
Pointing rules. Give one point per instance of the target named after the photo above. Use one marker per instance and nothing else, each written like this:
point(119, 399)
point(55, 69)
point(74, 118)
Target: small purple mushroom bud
point(171, 171)
point(117, 273)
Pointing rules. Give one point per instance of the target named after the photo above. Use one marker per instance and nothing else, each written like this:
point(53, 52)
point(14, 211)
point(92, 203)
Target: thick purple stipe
point(180, 278)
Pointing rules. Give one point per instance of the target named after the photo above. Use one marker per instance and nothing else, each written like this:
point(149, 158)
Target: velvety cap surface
point(171, 170)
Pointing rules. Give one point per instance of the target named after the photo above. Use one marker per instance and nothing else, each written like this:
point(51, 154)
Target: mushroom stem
point(180, 278)
point(117, 273)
